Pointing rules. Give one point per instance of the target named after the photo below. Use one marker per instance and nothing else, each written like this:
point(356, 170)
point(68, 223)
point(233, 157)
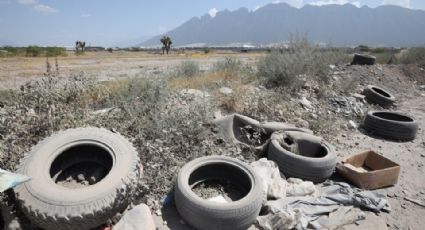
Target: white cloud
point(294, 3)
point(403, 3)
point(27, 2)
point(86, 15)
point(45, 9)
point(335, 2)
point(213, 12)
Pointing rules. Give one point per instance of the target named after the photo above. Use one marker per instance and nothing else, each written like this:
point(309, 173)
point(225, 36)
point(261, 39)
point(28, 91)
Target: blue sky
point(122, 22)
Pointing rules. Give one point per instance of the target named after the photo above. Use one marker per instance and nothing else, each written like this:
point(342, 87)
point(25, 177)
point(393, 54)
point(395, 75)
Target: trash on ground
point(218, 199)
point(369, 170)
point(201, 213)
point(245, 130)
point(139, 217)
point(273, 184)
point(378, 95)
point(363, 59)
point(10, 180)
point(68, 196)
point(277, 187)
point(334, 207)
point(302, 155)
point(391, 125)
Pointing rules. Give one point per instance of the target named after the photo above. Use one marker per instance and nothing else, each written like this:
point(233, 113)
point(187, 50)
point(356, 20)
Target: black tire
point(203, 214)
point(378, 95)
point(316, 169)
point(391, 125)
point(52, 206)
point(363, 59)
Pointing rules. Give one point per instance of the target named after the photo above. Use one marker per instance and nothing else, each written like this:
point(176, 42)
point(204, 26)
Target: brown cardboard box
point(369, 170)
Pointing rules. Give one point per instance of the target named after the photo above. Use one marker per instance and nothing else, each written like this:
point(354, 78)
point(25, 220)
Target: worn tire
point(363, 59)
point(298, 166)
point(203, 214)
point(378, 95)
point(391, 125)
point(51, 206)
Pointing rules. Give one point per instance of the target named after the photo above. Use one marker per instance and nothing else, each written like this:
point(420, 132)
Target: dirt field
point(106, 66)
point(251, 99)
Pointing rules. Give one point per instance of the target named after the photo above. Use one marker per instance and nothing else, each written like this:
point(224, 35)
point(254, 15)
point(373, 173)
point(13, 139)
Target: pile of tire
point(52, 206)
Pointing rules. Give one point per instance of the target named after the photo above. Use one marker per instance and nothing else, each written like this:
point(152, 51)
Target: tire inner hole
point(81, 166)
point(382, 92)
point(221, 183)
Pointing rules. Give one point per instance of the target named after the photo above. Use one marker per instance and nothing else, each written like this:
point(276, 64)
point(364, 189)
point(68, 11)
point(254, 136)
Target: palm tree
point(166, 44)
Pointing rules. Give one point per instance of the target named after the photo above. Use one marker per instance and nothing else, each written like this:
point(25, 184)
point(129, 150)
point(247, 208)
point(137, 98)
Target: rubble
point(137, 218)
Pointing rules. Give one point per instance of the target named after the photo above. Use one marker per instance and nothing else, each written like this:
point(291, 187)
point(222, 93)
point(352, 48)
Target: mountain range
point(337, 25)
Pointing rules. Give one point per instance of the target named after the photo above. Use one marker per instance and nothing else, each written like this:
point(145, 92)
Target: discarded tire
point(378, 95)
point(305, 156)
point(363, 59)
point(53, 199)
point(204, 214)
point(391, 125)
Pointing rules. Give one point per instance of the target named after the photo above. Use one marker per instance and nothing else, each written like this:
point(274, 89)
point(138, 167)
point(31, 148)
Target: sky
point(123, 22)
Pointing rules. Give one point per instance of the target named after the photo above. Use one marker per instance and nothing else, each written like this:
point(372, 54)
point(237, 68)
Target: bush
point(414, 56)
point(34, 51)
point(187, 69)
point(288, 67)
point(227, 65)
point(55, 51)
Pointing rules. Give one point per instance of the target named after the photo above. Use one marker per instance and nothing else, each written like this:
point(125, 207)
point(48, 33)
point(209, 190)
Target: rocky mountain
point(342, 25)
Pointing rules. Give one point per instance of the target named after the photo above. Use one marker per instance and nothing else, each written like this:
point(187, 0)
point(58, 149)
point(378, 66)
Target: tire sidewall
point(38, 165)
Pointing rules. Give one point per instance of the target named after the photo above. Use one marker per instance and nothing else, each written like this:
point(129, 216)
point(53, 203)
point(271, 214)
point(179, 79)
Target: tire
point(363, 59)
point(52, 206)
point(391, 125)
point(378, 95)
point(315, 169)
point(203, 214)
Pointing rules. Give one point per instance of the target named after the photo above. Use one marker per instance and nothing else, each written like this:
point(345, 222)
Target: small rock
point(80, 177)
point(422, 87)
point(358, 96)
point(352, 125)
point(305, 103)
point(225, 90)
point(139, 217)
point(422, 154)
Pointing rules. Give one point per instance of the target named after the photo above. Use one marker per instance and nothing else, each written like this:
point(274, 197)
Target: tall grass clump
point(289, 67)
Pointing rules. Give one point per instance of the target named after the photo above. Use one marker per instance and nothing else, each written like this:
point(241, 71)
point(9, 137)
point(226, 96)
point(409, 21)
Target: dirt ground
point(404, 85)
point(107, 66)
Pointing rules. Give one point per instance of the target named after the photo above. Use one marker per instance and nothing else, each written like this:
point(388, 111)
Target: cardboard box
point(369, 170)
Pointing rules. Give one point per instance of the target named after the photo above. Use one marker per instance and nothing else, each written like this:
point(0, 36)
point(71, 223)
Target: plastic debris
point(10, 180)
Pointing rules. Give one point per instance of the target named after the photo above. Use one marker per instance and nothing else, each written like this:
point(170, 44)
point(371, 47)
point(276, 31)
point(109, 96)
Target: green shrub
point(34, 51)
point(55, 51)
point(227, 65)
point(288, 67)
point(414, 56)
point(187, 69)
